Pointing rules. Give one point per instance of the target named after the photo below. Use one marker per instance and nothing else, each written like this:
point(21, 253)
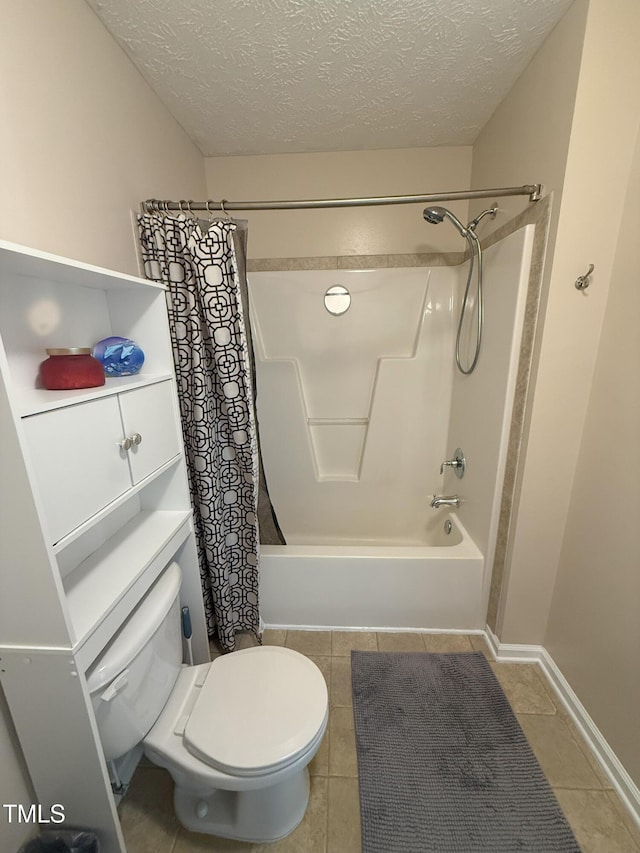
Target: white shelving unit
point(86, 527)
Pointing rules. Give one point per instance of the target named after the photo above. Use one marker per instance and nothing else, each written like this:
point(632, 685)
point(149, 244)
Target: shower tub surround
point(357, 411)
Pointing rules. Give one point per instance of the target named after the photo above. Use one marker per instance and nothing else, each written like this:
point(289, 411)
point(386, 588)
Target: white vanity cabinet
point(149, 422)
point(108, 445)
point(94, 504)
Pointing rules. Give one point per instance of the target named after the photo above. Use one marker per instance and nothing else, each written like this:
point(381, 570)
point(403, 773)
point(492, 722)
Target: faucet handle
point(458, 463)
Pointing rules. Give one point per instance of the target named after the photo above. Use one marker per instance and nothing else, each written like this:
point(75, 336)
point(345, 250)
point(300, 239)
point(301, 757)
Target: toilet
point(236, 734)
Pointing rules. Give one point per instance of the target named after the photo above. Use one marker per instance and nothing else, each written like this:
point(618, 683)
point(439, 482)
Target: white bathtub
point(435, 585)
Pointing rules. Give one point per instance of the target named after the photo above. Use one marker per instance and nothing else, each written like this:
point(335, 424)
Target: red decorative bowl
point(66, 369)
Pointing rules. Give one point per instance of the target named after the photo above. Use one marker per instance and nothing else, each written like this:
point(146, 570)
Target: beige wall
point(82, 140)
point(341, 174)
point(527, 141)
point(527, 138)
point(594, 630)
point(601, 145)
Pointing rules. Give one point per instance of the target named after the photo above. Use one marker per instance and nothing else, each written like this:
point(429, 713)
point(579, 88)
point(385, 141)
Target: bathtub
point(434, 584)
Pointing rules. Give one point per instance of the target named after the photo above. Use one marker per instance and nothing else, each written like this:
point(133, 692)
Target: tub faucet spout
point(445, 500)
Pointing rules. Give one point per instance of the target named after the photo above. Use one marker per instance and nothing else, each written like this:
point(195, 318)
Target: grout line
point(629, 824)
point(340, 776)
point(573, 788)
point(175, 839)
point(535, 713)
point(327, 806)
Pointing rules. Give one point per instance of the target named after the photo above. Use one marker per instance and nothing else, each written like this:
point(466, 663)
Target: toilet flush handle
point(117, 686)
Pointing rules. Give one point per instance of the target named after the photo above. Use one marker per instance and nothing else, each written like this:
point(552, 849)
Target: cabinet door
point(148, 417)
point(78, 464)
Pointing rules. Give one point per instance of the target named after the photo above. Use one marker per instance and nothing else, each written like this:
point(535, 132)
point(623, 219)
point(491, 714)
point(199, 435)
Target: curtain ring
point(222, 201)
point(212, 213)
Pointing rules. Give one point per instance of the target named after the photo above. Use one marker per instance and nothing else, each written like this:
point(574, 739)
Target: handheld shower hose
point(435, 215)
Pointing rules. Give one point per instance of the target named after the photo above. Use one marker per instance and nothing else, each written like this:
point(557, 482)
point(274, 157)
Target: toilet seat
point(166, 745)
point(257, 711)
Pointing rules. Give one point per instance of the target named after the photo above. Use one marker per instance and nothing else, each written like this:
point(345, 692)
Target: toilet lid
point(257, 709)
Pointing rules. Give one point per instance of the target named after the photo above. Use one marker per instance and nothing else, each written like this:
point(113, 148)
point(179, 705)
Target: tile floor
point(332, 822)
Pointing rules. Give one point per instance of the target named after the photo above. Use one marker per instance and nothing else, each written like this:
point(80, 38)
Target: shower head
point(435, 215)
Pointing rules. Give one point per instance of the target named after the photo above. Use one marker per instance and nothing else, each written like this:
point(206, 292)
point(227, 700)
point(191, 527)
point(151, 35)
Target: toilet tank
point(133, 677)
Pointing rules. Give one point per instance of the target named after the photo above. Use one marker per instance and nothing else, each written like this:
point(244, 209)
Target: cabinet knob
point(136, 438)
point(125, 444)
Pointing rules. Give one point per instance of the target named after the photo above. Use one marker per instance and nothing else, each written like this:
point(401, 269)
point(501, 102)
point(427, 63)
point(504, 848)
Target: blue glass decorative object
point(119, 356)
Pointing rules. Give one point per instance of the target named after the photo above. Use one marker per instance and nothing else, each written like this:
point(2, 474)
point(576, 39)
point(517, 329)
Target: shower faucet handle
point(458, 463)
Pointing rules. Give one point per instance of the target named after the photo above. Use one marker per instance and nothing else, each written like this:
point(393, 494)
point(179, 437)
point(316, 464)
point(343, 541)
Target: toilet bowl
point(236, 735)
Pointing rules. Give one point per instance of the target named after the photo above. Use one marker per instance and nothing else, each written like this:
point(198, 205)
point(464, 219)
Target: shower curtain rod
point(154, 205)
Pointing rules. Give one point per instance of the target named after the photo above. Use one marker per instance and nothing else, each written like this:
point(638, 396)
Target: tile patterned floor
point(332, 823)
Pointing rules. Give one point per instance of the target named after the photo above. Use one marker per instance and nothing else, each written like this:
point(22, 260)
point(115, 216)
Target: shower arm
point(490, 211)
point(154, 205)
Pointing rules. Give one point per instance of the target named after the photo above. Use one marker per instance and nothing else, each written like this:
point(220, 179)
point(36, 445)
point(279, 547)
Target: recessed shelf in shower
point(338, 444)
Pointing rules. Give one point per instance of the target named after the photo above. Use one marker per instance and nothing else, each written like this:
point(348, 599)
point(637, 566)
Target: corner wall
point(571, 579)
point(83, 139)
point(594, 632)
point(527, 140)
point(601, 146)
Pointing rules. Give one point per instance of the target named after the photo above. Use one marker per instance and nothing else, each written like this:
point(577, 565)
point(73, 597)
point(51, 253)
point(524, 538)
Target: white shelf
point(90, 523)
point(22, 260)
point(69, 599)
point(34, 401)
point(101, 581)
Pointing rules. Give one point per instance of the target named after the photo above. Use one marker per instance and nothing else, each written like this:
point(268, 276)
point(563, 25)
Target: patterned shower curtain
point(198, 264)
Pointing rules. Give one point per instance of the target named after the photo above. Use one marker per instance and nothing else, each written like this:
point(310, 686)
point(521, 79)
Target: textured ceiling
point(269, 76)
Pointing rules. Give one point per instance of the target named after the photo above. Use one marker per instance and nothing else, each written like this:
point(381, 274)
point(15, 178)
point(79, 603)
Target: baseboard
point(608, 760)
point(376, 629)
point(510, 652)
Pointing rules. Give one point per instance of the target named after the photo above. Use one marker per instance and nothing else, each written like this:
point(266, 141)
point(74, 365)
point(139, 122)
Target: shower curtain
point(197, 262)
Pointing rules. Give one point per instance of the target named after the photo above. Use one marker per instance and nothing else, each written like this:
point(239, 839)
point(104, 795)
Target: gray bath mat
point(443, 764)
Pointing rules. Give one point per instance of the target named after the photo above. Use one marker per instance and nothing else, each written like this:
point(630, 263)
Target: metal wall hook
point(582, 282)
